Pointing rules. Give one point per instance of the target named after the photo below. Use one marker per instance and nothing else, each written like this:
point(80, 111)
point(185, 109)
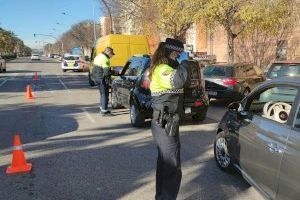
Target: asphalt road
point(77, 154)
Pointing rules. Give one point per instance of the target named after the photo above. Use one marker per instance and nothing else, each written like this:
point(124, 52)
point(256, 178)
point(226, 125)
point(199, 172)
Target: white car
point(35, 57)
point(2, 65)
point(71, 62)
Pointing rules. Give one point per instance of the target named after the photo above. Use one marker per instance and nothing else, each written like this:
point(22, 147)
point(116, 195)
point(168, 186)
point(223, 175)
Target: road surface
point(77, 154)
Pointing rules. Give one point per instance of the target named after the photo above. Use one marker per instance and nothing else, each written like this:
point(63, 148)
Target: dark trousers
point(104, 93)
point(168, 169)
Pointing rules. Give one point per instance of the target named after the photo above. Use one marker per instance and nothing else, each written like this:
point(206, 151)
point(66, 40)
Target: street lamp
point(62, 44)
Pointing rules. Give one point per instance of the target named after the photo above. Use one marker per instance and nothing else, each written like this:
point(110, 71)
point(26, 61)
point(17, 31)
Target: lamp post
point(62, 44)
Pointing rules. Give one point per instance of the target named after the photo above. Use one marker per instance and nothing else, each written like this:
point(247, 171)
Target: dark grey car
point(261, 138)
point(231, 81)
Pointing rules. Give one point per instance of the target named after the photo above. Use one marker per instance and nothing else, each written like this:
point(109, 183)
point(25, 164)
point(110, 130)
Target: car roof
point(228, 64)
point(295, 80)
point(287, 62)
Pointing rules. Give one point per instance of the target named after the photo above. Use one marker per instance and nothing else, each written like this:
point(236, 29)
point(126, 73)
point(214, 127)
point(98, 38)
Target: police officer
point(102, 74)
point(167, 79)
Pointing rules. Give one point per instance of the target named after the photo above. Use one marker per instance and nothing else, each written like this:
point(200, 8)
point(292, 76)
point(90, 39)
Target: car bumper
point(71, 67)
point(224, 94)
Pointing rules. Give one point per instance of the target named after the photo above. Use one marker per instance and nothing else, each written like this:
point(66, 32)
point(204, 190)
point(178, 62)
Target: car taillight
point(230, 82)
point(65, 63)
point(198, 103)
point(145, 84)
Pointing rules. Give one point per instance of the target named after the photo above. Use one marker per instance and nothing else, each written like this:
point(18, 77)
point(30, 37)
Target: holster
point(168, 121)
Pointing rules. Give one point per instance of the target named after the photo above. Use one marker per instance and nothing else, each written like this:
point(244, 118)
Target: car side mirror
point(245, 116)
point(235, 106)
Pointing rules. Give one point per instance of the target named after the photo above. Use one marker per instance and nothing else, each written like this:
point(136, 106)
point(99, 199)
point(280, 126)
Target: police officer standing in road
point(168, 75)
point(102, 75)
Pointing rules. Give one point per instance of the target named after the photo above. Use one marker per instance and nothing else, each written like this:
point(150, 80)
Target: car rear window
point(219, 71)
point(71, 58)
point(281, 70)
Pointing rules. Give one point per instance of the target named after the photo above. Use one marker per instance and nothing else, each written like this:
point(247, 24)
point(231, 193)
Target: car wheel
point(222, 156)
point(4, 70)
point(137, 118)
point(114, 100)
point(91, 82)
point(64, 70)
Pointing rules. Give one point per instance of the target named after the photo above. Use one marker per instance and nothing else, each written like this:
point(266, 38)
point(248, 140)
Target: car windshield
point(220, 71)
point(71, 58)
point(281, 70)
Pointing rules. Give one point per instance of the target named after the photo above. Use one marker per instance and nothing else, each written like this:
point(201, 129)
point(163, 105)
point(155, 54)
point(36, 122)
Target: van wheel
point(114, 100)
point(91, 82)
point(221, 153)
point(137, 119)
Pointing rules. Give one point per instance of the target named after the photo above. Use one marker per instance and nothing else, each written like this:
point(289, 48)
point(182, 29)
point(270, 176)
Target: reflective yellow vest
point(162, 81)
point(101, 65)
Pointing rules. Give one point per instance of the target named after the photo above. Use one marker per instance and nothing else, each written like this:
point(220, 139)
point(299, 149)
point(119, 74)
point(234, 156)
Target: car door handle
point(273, 148)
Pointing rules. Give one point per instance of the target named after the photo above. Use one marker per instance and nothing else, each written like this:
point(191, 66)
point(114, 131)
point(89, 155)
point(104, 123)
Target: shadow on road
point(114, 162)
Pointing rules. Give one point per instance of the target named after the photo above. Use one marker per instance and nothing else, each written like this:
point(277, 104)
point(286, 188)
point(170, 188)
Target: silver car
point(260, 137)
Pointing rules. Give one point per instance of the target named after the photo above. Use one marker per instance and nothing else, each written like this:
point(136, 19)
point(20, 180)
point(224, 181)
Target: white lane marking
point(3, 82)
point(88, 115)
point(64, 85)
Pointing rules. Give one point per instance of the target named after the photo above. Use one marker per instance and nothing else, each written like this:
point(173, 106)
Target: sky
point(26, 17)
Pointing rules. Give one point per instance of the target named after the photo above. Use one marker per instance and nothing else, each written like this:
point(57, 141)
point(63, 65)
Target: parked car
point(283, 68)
point(35, 57)
point(231, 81)
point(71, 62)
point(131, 90)
point(2, 65)
point(260, 137)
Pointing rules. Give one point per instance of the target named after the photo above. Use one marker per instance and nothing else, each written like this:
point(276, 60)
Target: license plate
point(212, 93)
point(187, 110)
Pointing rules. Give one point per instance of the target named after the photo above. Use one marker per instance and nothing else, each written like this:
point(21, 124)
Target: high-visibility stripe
point(18, 148)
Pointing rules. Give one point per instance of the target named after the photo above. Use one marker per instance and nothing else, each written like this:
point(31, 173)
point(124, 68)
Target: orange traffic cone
point(18, 163)
point(36, 77)
point(29, 92)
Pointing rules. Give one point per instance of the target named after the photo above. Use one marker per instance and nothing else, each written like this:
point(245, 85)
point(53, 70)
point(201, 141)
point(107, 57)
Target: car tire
point(4, 70)
point(221, 154)
point(64, 70)
point(137, 119)
point(201, 116)
point(91, 82)
point(114, 100)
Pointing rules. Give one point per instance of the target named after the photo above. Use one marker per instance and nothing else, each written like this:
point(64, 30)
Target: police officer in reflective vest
point(168, 74)
point(102, 74)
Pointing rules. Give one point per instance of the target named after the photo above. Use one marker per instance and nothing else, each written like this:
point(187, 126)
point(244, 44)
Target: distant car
point(131, 90)
point(260, 137)
point(71, 62)
point(2, 65)
point(35, 57)
point(231, 81)
point(283, 68)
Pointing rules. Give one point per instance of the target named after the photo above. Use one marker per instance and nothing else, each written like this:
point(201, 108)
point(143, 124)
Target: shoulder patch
point(167, 72)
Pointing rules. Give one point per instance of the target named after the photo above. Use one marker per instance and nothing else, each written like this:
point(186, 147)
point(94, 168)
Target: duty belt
point(175, 91)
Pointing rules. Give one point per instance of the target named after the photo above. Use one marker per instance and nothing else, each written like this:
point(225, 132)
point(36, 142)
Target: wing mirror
point(235, 106)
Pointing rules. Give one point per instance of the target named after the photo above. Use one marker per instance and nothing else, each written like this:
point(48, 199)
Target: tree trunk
point(230, 46)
